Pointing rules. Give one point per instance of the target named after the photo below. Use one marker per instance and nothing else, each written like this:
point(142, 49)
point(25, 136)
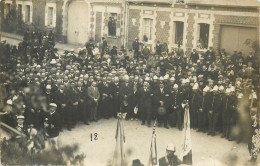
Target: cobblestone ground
point(206, 150)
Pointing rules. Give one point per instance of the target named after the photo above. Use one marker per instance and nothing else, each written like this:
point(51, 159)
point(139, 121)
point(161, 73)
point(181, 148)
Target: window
point(50, 16)
point(8, 8)
point(112, 24)
point(203, 36)
point(148, 24)
point(27, 13)
point(178, 32)
point(20, 9)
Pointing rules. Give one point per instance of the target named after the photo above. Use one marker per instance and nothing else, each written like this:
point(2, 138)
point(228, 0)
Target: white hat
point(116, 79)
point(53, 104)
point(147, 78)
point(20, 117)
point(155, 77)
point(221, 88)
point(126, 77)
point(171, 147)
point(10, 102)
point(215, 88)
point(175, 86)
point(166, 77)
point(183, 81)
point(72, 50)
point(172, 79)
point(240, 95)
point(232, 89)
point(53, 61)
point(206, 89)
point(161, 78)
point(228, 90)
point(48, 87)
point(195, 86)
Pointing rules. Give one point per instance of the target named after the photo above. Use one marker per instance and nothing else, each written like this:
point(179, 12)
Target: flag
point(187, 149)
point(119, 156)
point(153, 149)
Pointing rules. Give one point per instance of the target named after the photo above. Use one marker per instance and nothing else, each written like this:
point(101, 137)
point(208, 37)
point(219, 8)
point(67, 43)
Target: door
point(77, 23)
point(235, 38)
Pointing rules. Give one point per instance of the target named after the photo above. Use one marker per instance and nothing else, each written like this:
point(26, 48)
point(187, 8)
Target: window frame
point(54, 14)
point(110, 14)
point(199, 35)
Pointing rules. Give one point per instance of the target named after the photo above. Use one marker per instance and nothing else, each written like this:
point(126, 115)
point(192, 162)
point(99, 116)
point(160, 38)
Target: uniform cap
point(161, 78)
point(20, 117)
point(221, 88)
point(175, 86)
point(10, 102)
point(172, 79)
point(53, 104)
point(228, 90)
point(206, 89)
point(155, 77)
point(53, 61)
point(171, 147)
point(215, 88)
point(48, 87)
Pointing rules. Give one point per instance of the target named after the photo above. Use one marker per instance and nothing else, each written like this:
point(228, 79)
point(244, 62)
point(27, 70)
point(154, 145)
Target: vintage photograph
point(129, 82)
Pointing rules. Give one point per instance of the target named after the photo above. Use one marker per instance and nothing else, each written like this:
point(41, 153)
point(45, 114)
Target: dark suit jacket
point(145, 98)
point(164, 162)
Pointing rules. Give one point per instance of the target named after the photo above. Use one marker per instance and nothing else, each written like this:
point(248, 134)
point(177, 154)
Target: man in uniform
point(175, 104)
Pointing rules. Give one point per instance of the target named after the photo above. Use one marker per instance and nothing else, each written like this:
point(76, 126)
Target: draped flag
point(153, 149)
point(187, 149)
point(119, 156)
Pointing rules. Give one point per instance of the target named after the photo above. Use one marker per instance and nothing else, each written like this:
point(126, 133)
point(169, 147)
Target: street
point(206, 150)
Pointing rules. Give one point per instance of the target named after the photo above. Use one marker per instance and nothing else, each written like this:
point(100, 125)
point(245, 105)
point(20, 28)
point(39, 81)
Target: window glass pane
point(178, 32)
point(50, 16)
point(147, 28)
point(204, 36)
point(27, 13)
point(112, 24)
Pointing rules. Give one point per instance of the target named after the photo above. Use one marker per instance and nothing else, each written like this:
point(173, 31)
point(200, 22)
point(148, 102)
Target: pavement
point(206, 150)
point(60, 46)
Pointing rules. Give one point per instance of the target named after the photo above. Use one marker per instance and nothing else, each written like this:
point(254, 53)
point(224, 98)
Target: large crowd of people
point(44, 89)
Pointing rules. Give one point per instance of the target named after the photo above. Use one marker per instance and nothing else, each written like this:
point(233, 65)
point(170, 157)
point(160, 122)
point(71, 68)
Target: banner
point(187, 148)
point(153, 148)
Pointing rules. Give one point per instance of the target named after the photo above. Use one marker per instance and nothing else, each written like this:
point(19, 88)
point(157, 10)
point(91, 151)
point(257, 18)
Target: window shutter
point(118, 25)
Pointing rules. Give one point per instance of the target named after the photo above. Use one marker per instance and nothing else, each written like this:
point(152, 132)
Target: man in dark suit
point(54, 121)
point(161, 98)
point(194, 56)
point(170, 159)
point(105, 95)
point(135, 46)
point(158, 48)
point(145, 103)
point(93, 98)
point(115, 89)
point(104, 46)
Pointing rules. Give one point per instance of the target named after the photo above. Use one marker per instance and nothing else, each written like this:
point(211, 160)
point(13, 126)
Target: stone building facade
point(230, 25)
